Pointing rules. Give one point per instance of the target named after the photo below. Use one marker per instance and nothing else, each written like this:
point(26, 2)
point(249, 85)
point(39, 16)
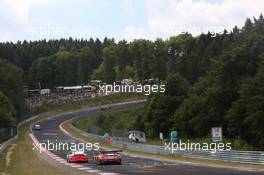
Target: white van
point(137, 136)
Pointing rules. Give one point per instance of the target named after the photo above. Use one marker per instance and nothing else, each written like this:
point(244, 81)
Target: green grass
point(118, 119)
point(67, 126)
point(2, 161)
point(128, 119)
point(23, 160)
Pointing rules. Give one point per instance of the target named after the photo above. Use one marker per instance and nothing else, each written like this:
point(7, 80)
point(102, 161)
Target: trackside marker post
point(108, 137)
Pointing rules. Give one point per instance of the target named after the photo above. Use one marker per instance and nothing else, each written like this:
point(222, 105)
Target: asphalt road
point(130, 165)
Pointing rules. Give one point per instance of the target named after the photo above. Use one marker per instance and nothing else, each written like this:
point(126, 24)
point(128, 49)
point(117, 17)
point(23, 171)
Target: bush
point(7, 112)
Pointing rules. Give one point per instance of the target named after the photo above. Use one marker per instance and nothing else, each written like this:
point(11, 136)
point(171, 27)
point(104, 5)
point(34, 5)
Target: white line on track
point(50, 134)
point(93, 171)
point(76, 166)
point(84, 168)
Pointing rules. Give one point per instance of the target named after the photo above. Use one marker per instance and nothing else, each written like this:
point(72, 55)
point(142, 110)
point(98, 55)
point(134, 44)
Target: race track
point(130, 165)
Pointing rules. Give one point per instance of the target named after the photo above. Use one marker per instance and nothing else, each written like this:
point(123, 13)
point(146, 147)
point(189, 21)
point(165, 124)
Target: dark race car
point(77, 156)
point(105, 108)
point(107, 157)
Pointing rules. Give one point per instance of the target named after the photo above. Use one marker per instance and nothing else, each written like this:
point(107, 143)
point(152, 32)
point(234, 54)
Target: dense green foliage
point(118, 119)
point(229, 92)
point(211, 80)
point(122, 120)
point(248, 111)
point(7, 112)
point(160, 107)
point(12, 99)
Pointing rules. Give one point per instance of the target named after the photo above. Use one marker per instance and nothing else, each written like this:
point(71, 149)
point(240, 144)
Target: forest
point(211, 79)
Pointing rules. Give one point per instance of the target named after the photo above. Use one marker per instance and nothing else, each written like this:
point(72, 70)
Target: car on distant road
point(105, 108)
point(107, 157)
point(77, 156)
point(36, 127)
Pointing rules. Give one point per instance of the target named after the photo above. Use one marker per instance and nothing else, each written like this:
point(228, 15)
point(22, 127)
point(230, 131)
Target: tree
point(199, 112)
point(107, 70)
point(158, 68)
point(11, 85)
point(42, 71)
point(212, 96)
point(160, 106)
point(86, 63)
point(129, 72)
point(109, 62)
point(248, 25)
point(177, 48)
point(65, 68)
point(245, 118)
point(208, 78)
point(142, 55)
point(7, 112)
point(123, 59)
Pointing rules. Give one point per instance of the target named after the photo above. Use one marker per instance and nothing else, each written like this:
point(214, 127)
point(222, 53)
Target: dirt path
point(9, 153)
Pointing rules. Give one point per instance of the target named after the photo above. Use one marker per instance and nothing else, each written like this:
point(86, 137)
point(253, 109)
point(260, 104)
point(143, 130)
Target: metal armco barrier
point(251, 157)
point(13, 139)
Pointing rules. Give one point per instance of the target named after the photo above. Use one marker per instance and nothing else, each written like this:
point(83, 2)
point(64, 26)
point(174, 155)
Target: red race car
point(104, 157)
point(77, 156)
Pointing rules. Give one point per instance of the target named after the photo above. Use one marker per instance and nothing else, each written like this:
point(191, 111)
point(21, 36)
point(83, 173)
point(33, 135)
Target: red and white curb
point(73, 165)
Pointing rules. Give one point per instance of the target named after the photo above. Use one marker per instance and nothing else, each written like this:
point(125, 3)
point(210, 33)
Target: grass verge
point(23, 160)
point(119, 119)
point(131, 119)
point(214, 163)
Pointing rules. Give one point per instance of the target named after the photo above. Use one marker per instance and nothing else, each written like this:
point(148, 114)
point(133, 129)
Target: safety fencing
point(15, 132)
point(11, 135)
point(7, 133)
point(251, 157)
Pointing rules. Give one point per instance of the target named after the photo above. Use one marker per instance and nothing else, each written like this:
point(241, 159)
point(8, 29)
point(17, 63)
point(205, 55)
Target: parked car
point(107, 157)
point(137, 136)
point(77, 156)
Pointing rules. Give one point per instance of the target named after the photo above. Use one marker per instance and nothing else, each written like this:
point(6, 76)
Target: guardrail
point(5, 144)
point(14, 138)
point(251, 157)
point(7, 133)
